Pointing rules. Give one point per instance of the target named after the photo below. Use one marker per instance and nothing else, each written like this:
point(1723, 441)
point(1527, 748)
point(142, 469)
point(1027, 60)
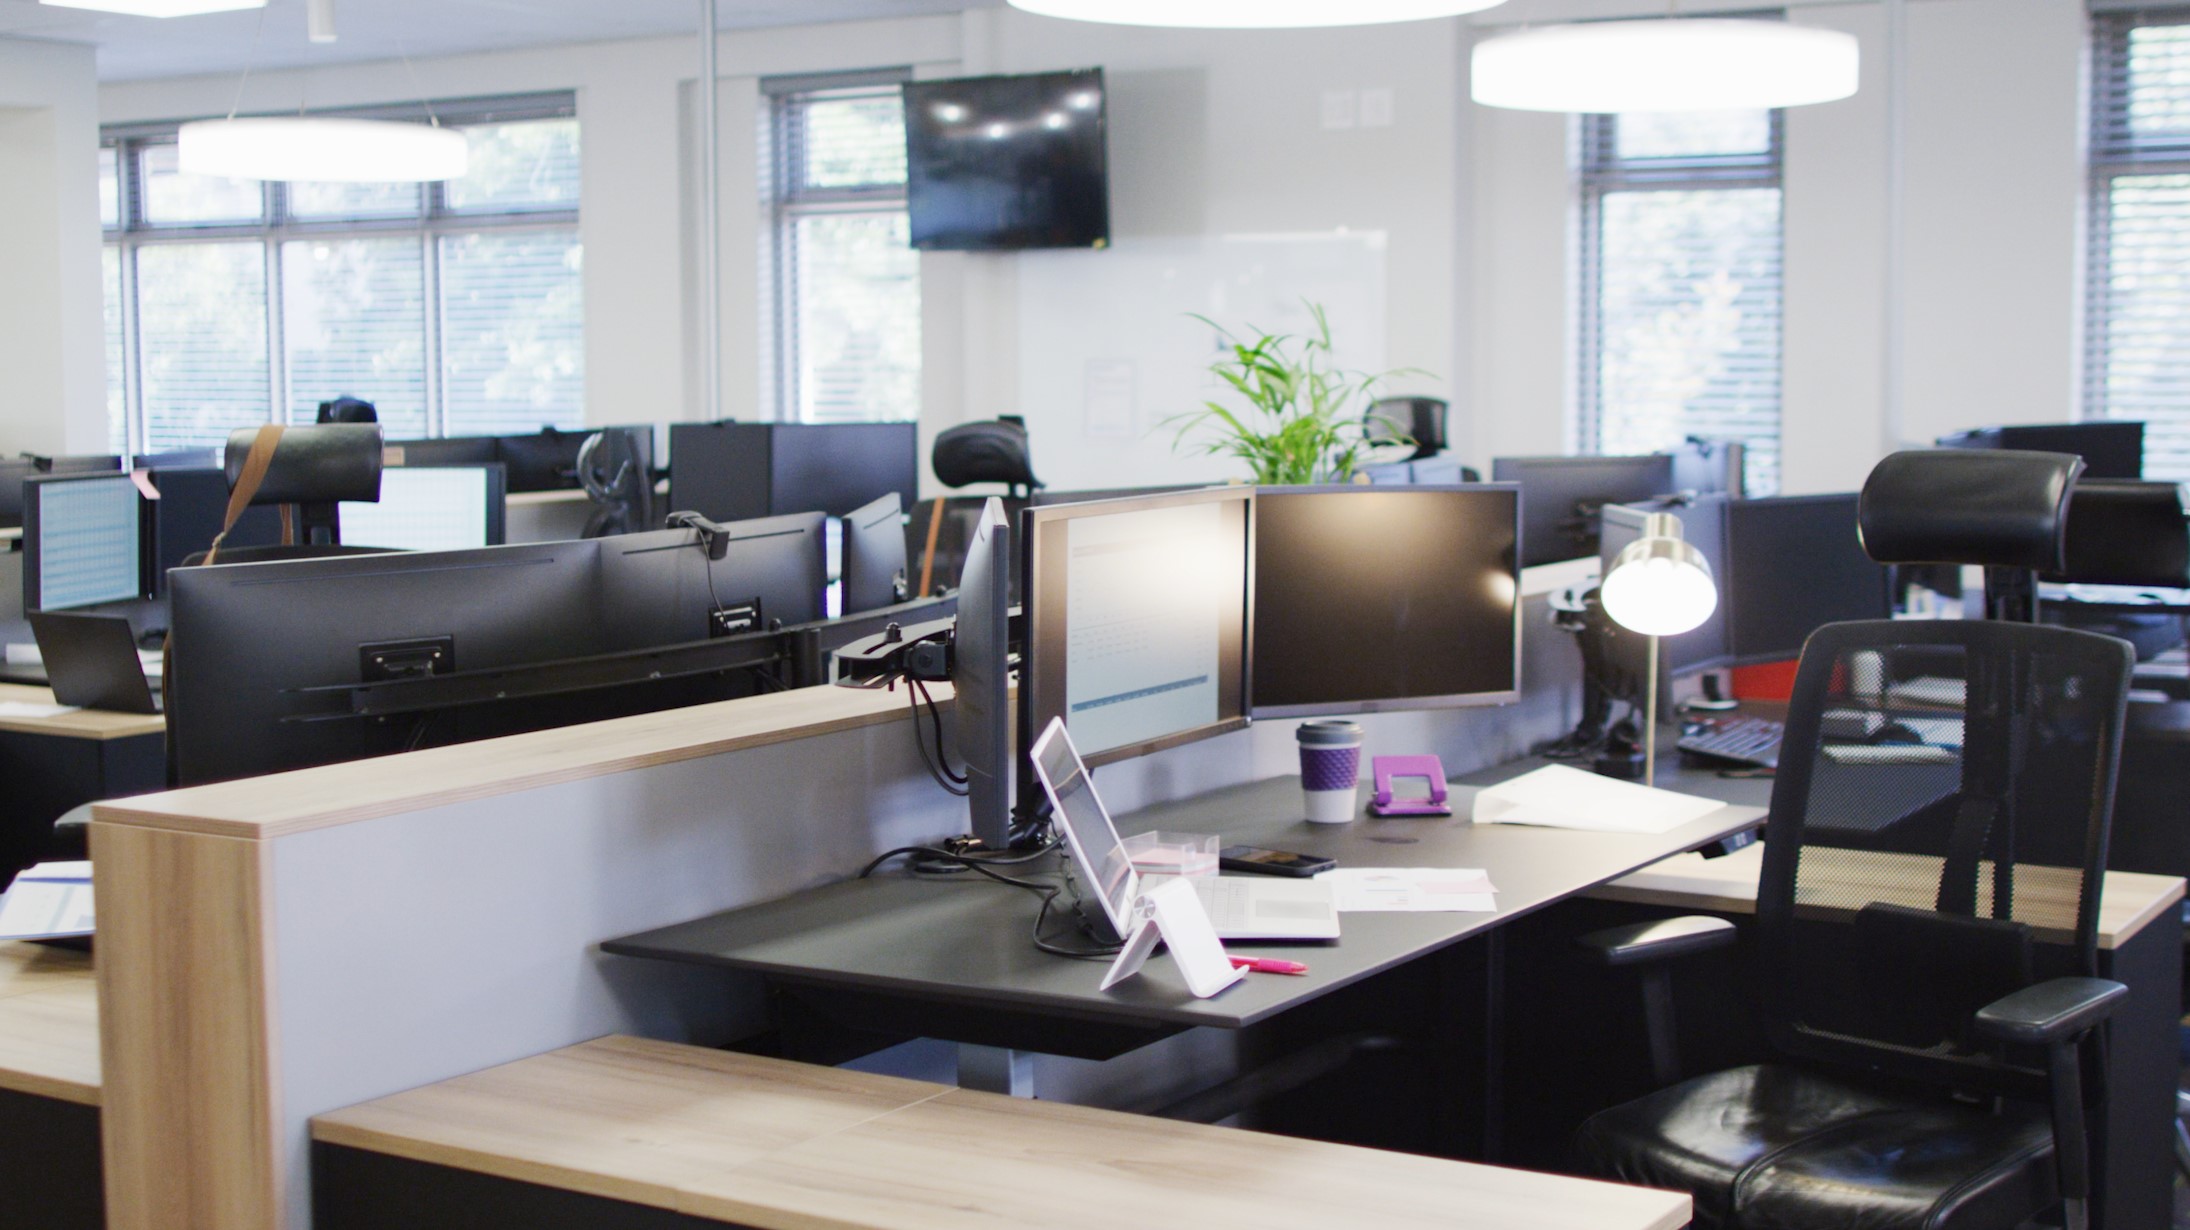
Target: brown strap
point(927, 557)
point(255, 464)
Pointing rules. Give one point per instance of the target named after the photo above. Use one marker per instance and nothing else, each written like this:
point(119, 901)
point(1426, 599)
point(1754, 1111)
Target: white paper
point(1556, 796)
point(45, 909)
point(24, 709)
point(1411, 889)
point(80, 869)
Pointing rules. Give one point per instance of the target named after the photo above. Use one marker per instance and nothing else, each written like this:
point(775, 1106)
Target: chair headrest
point(1422, 418)
point(348, 410)
point(313, 465)
point(2001, 509)
point(988, 452)
point(2125, 532)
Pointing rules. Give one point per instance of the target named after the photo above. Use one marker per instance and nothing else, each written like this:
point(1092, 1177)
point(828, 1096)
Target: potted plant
point(1303, 422)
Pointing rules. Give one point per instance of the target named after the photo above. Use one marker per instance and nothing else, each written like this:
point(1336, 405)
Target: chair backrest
point(615, 467)
point(1420, 419)
point(985, 452)
point(1937, 833)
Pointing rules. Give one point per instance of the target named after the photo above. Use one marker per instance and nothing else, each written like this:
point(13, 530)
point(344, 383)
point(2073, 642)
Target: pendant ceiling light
point(322, 148)
point(159, 8)
point(1251, 14)
point(1677, 64)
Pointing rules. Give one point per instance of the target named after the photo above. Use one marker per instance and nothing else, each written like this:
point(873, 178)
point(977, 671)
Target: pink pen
point(1268, 965)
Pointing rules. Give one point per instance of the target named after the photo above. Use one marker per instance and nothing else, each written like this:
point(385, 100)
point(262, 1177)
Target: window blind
point(1680, 284)
point(201, 310)
point(845, 280)
point(512, 330)
point(2137, 305)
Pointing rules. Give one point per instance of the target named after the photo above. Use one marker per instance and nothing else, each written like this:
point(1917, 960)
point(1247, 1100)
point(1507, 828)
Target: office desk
point(51, 764)
point(49, 1089)
point(950, 957)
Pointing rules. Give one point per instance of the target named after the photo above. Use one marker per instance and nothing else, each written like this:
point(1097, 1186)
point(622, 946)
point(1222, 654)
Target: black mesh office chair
point(1927, 941)
point(615, 467)
point(994, 451)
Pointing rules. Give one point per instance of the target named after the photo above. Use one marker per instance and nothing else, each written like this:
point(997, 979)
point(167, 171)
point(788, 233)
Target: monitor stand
point(1171, 912)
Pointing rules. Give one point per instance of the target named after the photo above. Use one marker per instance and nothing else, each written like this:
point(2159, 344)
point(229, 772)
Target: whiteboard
point(1108, 350)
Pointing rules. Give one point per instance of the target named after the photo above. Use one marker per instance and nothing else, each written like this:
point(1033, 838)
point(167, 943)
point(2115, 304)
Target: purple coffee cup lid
point(1334, 733)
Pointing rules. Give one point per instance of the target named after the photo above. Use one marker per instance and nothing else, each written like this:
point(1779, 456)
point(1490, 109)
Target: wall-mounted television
point(1002, 163)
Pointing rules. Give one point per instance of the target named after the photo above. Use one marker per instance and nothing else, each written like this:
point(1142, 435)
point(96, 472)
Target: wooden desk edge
point(280, 804)
point(77, 723)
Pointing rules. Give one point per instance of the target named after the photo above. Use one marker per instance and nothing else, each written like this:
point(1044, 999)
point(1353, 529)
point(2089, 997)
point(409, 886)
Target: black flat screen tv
point(997, 164)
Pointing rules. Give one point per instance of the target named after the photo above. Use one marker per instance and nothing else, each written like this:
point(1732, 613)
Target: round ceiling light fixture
point(1251, 14)
point(308, 148)
point(1673, 64)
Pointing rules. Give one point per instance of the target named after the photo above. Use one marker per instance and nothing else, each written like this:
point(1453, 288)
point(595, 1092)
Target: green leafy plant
point(1303, 418)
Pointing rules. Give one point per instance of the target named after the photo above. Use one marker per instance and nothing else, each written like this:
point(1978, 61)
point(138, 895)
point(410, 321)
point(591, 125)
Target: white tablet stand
point(1171, 912)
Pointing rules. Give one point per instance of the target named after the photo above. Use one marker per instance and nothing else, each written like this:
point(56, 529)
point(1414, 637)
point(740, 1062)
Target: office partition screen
point(1795, 564)
point(430, 508)
point(83, 540)
point(1370, 598)
point(1137, 621)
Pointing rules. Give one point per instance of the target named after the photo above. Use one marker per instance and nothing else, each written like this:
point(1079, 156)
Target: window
point(2137, 305)
point(456, 308)
point(1680, 284)
point(844, 280)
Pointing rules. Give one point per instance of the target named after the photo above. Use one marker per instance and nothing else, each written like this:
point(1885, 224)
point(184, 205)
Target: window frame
point(1601, 172)
point(276, 226)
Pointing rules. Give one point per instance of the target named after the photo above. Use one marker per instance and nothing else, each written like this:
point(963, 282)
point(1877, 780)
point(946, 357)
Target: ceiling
point(139, 47)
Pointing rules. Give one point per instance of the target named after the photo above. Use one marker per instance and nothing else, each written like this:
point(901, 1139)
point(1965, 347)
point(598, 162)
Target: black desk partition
point(734, 471)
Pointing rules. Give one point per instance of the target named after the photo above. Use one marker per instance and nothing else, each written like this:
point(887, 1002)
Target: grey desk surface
point(961, 940)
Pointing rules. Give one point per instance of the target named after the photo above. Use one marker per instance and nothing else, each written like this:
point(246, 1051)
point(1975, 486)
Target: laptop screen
point(1088, 831)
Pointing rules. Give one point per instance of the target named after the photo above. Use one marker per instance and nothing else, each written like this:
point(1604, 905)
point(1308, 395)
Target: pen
point(1268, 965)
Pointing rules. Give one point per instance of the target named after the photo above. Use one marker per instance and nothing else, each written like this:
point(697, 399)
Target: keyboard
point(1750, 740)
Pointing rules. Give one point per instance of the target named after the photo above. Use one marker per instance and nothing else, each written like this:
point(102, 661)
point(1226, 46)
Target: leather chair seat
point(1779, 1148)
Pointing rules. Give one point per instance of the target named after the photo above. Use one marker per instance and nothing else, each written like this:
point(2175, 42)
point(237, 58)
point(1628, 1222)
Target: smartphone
point(1271, 862)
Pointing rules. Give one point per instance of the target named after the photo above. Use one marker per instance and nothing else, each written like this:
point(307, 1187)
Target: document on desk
point(1556, 796)
point(48, 901)
point(25, 709)
point(1411, 889)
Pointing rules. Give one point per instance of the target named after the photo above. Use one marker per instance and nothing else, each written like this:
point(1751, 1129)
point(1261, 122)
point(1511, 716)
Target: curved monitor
point(981, 675)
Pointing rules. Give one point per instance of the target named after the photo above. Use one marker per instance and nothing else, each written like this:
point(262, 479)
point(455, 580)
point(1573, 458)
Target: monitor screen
point(429, 508)
point(1795, 564)
point(1561, 497)
point(1137, 617)
point(1371, 598)
point(1001, 163)
point(82, 541)
point(1703, 525)
point(2109, 449)
point(873, 572)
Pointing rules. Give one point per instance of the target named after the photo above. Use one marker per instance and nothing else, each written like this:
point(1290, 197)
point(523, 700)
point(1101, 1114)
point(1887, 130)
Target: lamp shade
point(1251, 14)
point(322, 148)
point(1681, 64)
point(1659, 585)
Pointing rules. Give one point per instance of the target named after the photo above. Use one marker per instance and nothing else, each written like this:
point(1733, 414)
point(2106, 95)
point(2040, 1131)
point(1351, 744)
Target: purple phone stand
point(1391, 768)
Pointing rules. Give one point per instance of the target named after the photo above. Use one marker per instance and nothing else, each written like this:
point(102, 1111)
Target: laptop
point(92, 661)
point(1240, 907)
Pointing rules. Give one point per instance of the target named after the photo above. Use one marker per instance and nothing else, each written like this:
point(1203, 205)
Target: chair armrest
point(2050, 1012)
point(1656, 941)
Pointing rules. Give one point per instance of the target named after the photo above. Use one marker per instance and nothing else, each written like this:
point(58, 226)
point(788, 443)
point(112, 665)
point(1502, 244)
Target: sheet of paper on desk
point(1556, 796)
point(42, 905)
point(24, 709)
point(1410, 889)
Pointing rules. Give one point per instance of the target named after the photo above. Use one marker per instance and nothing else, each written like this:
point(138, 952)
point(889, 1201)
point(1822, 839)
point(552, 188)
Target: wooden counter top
point(49, 1023)
point(77, 723)
point(1729, 886)
point(778, 1145)
point(284, 803)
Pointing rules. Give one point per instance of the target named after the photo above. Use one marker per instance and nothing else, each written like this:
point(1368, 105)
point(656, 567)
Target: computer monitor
point(729, 470)
point(1793, 565)
point(1703, 525)
point(545, 461)
point(1561, 497)
point(2109, 449)
point(14, 471)
point(1710, 466)
point(188, 515)
point(430, 508)
point(670, 586)
point(1137, 620)
point(1373, 598)
point(83, 541)
point(981, 675)
point(442, 451)
point(873, 571)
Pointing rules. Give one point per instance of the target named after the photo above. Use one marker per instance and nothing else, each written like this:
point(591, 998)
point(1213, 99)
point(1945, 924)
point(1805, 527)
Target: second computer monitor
point(1561, 498)
point(83, 540)
point(430, 508)
point(2109, 449)
point(1371, 598)
point(874, 562)
point(1795, 564)
point(1137, 621)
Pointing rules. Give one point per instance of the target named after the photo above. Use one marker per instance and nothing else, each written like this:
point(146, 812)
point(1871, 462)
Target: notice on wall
point(1108, 386)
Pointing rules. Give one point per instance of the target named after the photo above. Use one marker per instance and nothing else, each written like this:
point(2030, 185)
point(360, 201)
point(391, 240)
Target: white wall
point(52, 338)
point(1221, 133)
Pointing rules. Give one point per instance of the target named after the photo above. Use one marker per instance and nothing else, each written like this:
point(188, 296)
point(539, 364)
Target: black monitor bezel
point(1516, 470)
point(1732, 588)
point(1035, 708)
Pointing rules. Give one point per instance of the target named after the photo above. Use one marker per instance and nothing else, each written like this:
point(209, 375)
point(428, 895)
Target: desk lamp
point(1658, 585)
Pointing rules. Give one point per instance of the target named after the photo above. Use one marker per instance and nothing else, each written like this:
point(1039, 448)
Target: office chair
point(985, 452)
point(615, 469)
point(1419, 421)
point(1927, 942)
point(311, 471)
point(347, 409)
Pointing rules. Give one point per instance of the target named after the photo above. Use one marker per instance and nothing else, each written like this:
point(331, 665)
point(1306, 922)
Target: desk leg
point(996, 1069)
